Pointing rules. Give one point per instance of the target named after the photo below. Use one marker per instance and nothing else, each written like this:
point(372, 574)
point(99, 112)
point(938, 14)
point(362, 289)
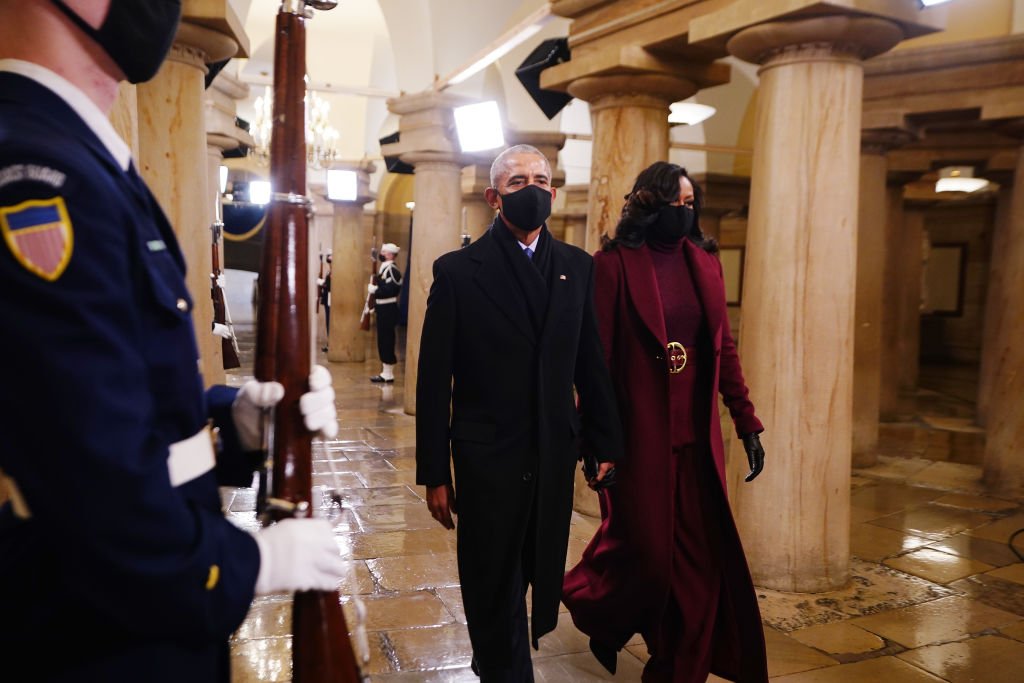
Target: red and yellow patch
point(38, 233)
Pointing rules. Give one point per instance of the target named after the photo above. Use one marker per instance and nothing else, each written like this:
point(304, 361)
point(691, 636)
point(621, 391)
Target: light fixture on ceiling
point(342, 185)
point(929, 3)
point(500, 47)
point(321, 136)
point(479, 126)
point(959, 179)
point(689, 113)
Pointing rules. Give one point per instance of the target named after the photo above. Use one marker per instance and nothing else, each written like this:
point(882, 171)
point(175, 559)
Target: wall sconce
point(959, 179)
point(479, 126)
point(689, 113)
point(342, 186)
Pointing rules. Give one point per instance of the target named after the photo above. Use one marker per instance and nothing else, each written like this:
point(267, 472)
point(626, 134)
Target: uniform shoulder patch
point(38, 232)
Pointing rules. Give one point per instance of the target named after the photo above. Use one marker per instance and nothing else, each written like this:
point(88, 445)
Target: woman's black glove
point(755, 455)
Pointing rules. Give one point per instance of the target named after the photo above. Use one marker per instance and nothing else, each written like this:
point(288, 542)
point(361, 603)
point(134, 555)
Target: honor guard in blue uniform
point(386, 290)
point(115, 558)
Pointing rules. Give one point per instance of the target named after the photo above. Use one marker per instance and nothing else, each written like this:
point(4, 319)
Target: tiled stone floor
point(936, 594)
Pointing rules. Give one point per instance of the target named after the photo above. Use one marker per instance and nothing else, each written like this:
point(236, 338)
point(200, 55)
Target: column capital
point(363, 168)
point(623, 64)
point(221, 99)
point(426, 128)
point(651, 91)
point(759, 31)
point(210, 31)
point(817, 39)
point(549, 143)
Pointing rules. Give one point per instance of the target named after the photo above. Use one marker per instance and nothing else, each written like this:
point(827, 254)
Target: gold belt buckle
point(676, 357)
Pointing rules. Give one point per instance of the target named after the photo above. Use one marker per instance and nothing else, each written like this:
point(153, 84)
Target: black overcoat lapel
point(498, 283)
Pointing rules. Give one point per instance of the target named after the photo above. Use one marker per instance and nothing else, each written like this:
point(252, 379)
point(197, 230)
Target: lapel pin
point(562, 277)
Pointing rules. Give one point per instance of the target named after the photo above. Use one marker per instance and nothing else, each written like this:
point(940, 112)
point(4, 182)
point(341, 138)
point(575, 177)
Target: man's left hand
point(605, 476)
point(755, 455)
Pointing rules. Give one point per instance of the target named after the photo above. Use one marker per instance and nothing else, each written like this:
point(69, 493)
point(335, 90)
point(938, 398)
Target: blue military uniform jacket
point(117, 572)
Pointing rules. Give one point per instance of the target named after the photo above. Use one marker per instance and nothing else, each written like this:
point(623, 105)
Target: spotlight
point(479, 126)
point(259, 192)
point(689, 113)
point(342, 186)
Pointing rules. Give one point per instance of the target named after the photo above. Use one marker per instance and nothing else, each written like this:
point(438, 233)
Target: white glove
point(371, 288)
point(222, 281)
point(319, 282)
point(298, 555)
point(247, 410)
point(317, 405)
point(221, 331)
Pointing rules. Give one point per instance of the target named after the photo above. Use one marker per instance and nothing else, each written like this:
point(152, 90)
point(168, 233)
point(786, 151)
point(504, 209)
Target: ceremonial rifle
point(321, 649)
point(320, 279)
point(371, 299)
point(228, 345)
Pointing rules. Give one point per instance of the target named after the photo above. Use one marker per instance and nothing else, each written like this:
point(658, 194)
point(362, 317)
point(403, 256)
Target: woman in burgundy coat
point(666, 561)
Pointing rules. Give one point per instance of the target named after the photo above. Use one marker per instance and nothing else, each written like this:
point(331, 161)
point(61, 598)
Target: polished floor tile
point(935, 594)
point(988, 659)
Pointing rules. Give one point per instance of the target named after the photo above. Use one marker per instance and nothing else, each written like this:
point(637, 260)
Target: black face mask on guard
point(528, 208)
point(135, 34)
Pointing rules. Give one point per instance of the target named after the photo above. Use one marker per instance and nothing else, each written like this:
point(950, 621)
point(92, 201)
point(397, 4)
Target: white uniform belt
point(17, 501)
point(191, 458)
point(392, 300)
point(188, 459)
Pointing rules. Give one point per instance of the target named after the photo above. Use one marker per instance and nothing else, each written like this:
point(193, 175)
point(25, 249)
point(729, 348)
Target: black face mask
point(136, 34)
point(672, 224)
point(528, 208)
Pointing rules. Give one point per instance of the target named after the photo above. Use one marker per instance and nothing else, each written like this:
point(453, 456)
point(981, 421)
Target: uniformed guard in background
point(389, 284)
point(114, 552)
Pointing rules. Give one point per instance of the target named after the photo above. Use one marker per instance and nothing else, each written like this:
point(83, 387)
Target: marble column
point(574, 213)
point(994, 294)
point(1003, 465)
point(914, 249)
point(892, 288)
point(797, 338)
point(477, 214)
point(872, 246)
point(629, 118)
point(173, 160)
point(426, 132)
point(124, 116)
point(347, 343)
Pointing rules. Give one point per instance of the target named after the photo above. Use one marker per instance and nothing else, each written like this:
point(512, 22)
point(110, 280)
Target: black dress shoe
point(474, 666)
point(605, 654)
point(378, 379)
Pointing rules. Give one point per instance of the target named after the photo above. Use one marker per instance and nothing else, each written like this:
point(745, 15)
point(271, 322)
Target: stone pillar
point(347, 343)
point(798, 310)
point(994, 310)
point(629, 117)
point(426, 131)
point(892, 287)
point(477, 214)
point(913, 245)
point(872, 246)
point(124, 116)
point(1004, 466)
point(574, 213)
point(174, 163)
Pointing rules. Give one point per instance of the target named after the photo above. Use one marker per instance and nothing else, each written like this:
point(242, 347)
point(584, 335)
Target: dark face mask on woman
point(672, 224)
point(528, 208)
point(136, 34)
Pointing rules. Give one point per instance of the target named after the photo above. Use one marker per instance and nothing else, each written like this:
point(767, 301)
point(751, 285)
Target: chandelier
point(321, 136)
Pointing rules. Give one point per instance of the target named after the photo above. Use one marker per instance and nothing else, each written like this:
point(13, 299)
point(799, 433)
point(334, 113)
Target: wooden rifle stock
point(220, 308)
point(371, 299)
point(321, 649)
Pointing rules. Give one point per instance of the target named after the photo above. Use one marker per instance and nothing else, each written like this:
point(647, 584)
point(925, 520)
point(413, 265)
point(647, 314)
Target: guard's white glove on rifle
point(220, 330)
point(320, 282)
point(317, 408)
point(222, 281)
point(372, 289)
point(298, 555)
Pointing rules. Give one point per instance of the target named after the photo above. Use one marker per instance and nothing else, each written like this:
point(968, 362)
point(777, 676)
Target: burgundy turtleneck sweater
point(684, 322)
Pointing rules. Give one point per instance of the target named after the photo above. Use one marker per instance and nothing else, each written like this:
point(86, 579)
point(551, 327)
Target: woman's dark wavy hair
point(655, 187)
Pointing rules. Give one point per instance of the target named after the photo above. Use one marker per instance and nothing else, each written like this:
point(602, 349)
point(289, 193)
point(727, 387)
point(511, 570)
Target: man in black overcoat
point(509, 333)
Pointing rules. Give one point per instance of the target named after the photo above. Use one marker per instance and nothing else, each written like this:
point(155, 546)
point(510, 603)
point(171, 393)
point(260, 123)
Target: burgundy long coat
point(623, 581)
